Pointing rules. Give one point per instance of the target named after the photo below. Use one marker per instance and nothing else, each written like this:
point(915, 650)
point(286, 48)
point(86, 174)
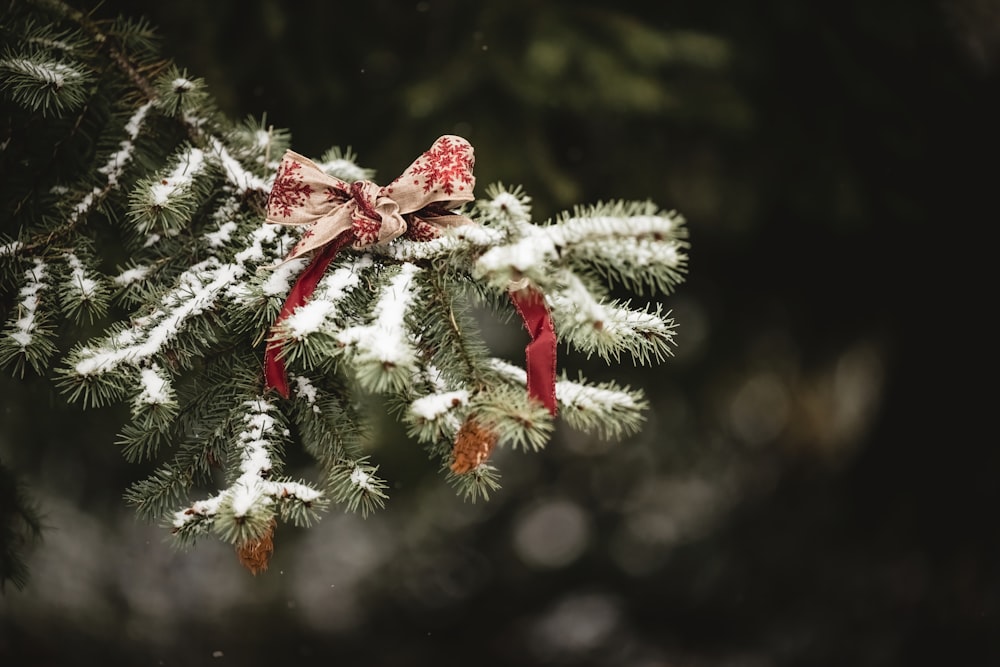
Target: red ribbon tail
point(275, 376)
point(541, 351)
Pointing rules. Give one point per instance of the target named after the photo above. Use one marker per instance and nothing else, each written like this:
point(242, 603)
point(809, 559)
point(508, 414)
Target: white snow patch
point(25, 326)
point(222, 235)
point(155, 387)
point(133, 275)
point(180, 179)
point(434, 405)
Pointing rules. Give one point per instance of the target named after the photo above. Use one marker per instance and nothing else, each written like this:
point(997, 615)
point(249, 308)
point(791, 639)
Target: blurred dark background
point(817, 482)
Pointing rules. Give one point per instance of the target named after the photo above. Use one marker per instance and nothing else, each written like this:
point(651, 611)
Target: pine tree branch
point(116, 58)
point(129, 69)
point(444, 300)
point(204, 283)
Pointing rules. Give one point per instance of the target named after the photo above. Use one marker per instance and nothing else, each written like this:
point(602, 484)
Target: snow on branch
point(167, 200)
point(606, 408)
point(451, 241)
point(609, 328)
point(49, 86)
point(132, 275)
point(115, 165)
point(239, 177)
point(197, 290)
point(25, 338)
point(84, 293)
point(246, 506)
point(155, 387)
point(433, 416)
point(23, 330)
point(633, 240)
point(343, 164)
point(503, 206)
point(382, 353)
point(10, 249)
point(319, 312)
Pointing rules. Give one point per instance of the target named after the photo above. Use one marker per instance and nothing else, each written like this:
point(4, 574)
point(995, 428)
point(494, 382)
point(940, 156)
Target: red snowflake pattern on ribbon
point(444, 166)
point(365, 230)
point(419, 230)
point(334, 195)
point(288, 190)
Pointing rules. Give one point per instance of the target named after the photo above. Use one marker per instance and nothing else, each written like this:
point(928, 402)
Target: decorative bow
point(416, 204)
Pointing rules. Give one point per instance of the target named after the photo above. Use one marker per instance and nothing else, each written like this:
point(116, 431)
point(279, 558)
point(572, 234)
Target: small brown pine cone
point(256, 554)
point(473, 445)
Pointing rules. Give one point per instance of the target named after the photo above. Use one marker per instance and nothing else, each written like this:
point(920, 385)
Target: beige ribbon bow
point(416, 203)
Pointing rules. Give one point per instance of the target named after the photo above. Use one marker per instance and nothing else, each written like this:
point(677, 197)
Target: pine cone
point(256, 554)
point(473, 445)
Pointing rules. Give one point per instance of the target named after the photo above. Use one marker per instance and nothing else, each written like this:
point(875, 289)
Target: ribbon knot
point(417, 204)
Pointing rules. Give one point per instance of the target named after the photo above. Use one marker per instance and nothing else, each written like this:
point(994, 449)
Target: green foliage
point(153, 233)
point(477, 484)
point(44, 75)
point(20, 525)
point(355, 485)
point(167, 200)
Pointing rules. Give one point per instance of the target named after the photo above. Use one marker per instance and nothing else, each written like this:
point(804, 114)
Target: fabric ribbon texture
point(416, 205)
